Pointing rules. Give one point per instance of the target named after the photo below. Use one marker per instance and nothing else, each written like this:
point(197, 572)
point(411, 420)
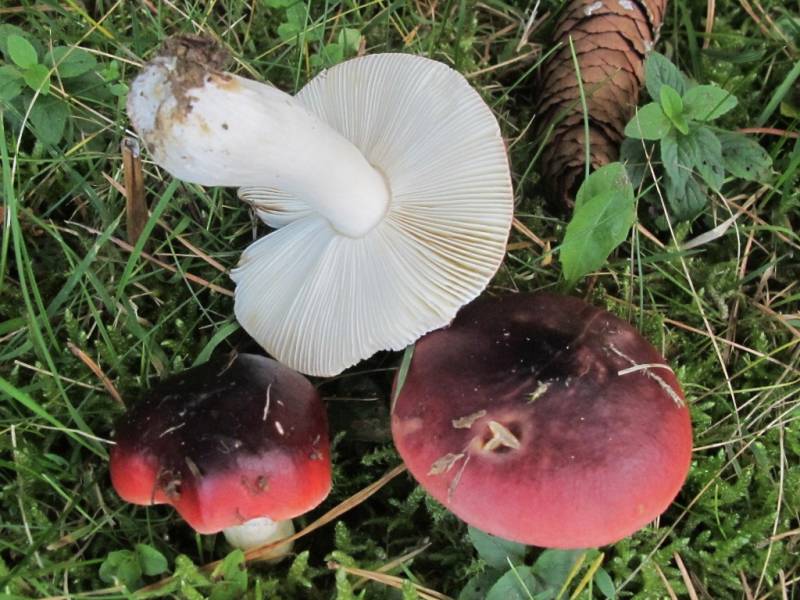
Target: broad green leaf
point(685, 201)
point(553, 566)
point(479, 585)
point(278, 3)
point(604, 213)
point(37, 78)
point(518, 583)
point(21, 51)
point(151, 560)
point(11, 83)
point(350, 39)
point(634, 154)
point(605, 584)
point(329, 55)
point(49, 117)
point(743, 157)
point(496, 551)
point(649, 123)
point(121, 567)
point(6, 31)
point(672, 105)
point(707, 102)
point(71, 62)
point(708, 157)
point(677, 156)
point(659, 71)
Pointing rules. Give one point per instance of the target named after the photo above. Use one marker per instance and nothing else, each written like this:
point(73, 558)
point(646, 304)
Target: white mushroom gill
point(386, 179)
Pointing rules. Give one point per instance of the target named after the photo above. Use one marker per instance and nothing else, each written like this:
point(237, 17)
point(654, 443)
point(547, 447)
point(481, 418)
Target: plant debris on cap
point(544, 420)
point(387, 180)
point(225, 443)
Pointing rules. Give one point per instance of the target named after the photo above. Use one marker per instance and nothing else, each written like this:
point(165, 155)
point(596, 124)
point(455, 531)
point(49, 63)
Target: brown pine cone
point(611, 39)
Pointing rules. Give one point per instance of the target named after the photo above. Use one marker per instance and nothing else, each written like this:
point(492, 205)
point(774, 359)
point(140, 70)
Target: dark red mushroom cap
point(544, 420)
point(225, 443)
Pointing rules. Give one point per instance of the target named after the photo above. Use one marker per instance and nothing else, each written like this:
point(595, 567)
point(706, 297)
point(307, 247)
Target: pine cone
point(611, 39)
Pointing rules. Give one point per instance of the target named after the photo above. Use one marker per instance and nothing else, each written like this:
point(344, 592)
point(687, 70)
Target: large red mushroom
point(239, 446)
point(544, 420)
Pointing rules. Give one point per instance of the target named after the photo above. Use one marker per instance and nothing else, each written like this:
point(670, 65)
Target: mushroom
point(544, 420)
point(239, 447)
point(386, 178)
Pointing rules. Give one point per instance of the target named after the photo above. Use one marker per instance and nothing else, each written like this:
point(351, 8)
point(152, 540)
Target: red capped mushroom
point(238, 446)
point(544, 420)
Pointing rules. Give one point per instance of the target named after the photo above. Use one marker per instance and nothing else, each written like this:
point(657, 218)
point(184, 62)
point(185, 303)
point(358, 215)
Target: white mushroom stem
point(258, 532)
point(218, 129)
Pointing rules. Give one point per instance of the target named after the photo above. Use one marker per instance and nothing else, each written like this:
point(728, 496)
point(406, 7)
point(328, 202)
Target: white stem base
point(257, 532)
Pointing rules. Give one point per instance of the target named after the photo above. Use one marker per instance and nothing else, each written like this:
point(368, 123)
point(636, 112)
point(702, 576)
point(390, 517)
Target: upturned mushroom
point(386, 179)
point(544, 420)
point(239, 446)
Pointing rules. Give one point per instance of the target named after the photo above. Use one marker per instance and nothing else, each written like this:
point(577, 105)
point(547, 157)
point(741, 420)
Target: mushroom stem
point(258, 532)
point(210, 127)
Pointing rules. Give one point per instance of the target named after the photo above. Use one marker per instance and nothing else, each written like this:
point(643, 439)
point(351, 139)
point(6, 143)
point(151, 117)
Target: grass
point(83, 313)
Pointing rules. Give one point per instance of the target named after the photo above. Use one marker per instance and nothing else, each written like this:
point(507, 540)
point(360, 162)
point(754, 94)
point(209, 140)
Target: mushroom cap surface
point(320, 301)
point(224, 443)
point(544, 420)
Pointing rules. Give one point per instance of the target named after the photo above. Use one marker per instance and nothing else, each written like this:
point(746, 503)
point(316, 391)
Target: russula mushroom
point(544, 420)
point(386, 179)
point(239, 446)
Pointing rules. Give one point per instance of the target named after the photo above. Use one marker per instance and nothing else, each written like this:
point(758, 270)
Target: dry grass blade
point(136, 207)
point(393, 564)
point(687, 580)
point(128, 248)
point(392, 581)
point(95, 368)
point(665, 581)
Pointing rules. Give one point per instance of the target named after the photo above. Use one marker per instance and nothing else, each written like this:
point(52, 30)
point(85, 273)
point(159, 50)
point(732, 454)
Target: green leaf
point(707, 102)
point(37, 78)
point(278, 3)
point(659, 71)
point(518, 583)
point(677, 157)
point(553, 566)
point(21, 51)
point(649, 123)
point(478, 586)
point(672, 105)
point(687, 200)
point(329, 55)
point(496, 551)
point(121, 567)
point(10, 83)
point(49, 117)
point(151, 560)
point(708, 157)
point(743, 157)
point(230, 577)
point(71, 62)
point(605, 584)
point(604, 213)
point(349, 39)
point(634, 154)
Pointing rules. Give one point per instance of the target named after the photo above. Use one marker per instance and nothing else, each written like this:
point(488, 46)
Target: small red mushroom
point(544, 420)
point(238, 446)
